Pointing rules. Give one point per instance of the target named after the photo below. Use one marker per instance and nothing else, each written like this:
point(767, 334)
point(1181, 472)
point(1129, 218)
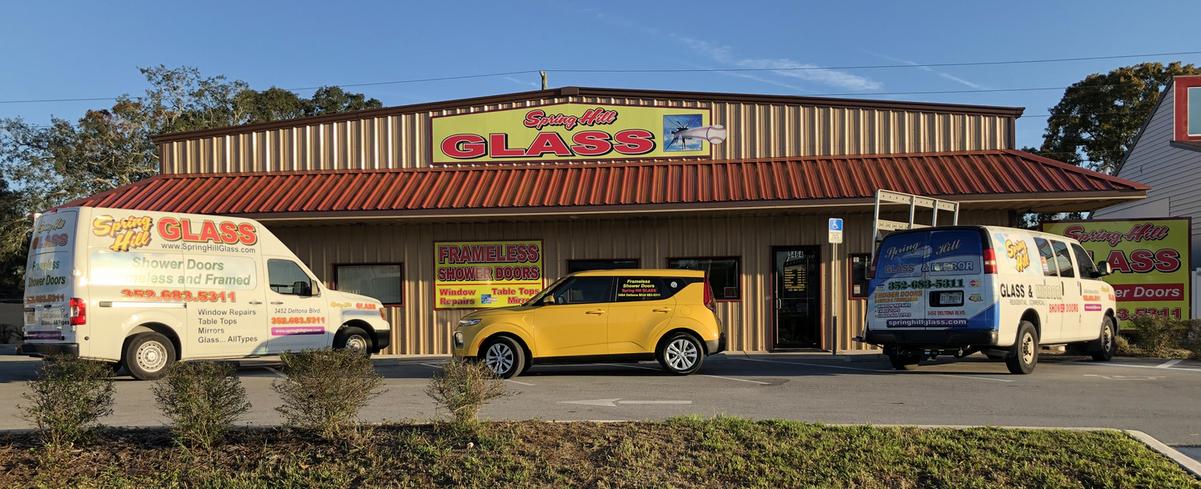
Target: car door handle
point(255, 303)
point(276, 303)
point(598, 312)
point(662, 309)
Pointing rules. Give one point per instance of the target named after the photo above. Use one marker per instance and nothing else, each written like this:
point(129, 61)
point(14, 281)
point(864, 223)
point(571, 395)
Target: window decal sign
point(486, 274)
point(571, 131)
point(1150, 261)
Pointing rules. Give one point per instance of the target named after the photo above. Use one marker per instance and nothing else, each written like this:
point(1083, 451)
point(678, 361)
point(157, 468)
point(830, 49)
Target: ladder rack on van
point(886, 197)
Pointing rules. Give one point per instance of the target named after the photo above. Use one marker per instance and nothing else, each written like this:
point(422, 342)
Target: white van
point(1003, 291)
point(144, 289)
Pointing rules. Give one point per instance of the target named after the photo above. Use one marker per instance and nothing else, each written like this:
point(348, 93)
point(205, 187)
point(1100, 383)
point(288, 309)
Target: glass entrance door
point(797, 296)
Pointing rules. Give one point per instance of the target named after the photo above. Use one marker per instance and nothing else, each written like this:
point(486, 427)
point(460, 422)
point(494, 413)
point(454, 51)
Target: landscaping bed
point(721, 452)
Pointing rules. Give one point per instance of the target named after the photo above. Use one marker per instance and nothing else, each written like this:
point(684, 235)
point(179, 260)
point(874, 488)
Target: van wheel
point(504, 357)
point(681, 354)
point(1104, 348)
point(1023, 355)
point(904, 359)
point(354, 339)
point(148, 356)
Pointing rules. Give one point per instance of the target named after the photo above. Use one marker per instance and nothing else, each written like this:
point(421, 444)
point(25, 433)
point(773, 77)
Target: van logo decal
point(1017, 250)
point(128, 233)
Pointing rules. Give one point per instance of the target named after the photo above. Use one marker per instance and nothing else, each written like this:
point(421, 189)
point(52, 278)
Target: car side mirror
point(302, 288)
point(1103, 269)
point(548, 300)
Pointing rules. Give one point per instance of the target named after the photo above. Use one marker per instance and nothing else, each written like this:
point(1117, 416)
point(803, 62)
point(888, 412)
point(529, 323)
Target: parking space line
point(1160, 366)
point(843, 367)
point(435, 366)
point(276, 372)
point(518, 382)
point(760, 382)
point(1168, 364)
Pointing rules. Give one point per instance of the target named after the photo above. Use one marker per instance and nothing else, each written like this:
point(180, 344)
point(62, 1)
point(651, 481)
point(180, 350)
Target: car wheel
point(681, 354)
point(148, 356)
point(904, 360)
point(1023, 356)
point(504, 357)
point(1104, 348)
point(354, 339)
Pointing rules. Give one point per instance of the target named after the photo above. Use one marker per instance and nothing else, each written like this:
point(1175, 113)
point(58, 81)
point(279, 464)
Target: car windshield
point(537, 298)
point(934, 252)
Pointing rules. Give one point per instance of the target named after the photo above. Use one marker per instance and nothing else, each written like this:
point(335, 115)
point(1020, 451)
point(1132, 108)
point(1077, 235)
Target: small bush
point(11, 333)
point(202, 400)
point(67, 399)
point(324, 390)
point(1192, 337)
point(1157, 336)
point(463, 388)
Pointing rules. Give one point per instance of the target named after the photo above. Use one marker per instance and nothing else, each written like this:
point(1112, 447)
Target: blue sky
point(93, 49)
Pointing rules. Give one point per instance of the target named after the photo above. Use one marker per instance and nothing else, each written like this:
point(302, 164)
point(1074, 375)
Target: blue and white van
point(1006, 292)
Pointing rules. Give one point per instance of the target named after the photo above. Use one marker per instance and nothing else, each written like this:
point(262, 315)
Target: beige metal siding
point(757, 130)
point(419, 329)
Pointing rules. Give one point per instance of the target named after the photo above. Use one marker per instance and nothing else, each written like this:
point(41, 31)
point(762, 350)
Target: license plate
point(950, 299)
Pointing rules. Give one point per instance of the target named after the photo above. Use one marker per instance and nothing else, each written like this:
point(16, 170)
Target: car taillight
point(709, 302)
point(79, 311)
point(990, 261)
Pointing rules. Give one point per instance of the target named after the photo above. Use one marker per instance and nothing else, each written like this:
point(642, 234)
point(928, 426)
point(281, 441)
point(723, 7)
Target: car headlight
point(469, 322)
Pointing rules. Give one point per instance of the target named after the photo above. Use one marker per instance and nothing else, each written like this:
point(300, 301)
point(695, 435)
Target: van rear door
point(51, 313)
point(895, 299)
point(953, 286)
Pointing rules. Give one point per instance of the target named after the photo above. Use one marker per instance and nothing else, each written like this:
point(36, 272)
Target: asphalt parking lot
point(1162, 398)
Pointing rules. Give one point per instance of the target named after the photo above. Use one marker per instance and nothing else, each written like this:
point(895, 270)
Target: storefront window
point(606, 264)
point(857, 284)
point(723, 274)
point(379, 281)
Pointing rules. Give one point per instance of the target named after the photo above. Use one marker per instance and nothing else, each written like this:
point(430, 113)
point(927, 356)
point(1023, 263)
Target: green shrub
point(463, 388)
point(67, 399)
point(11, 333)
point(1192, 337)
point(1158, 337)
point(324, 390)
point(202, 400)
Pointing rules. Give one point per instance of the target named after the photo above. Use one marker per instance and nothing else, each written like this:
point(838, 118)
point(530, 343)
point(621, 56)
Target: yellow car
point(600, 315)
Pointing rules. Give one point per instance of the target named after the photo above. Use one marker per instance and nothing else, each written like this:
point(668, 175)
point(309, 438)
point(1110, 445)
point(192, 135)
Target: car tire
point(504, 357)
point(354, 338)
point(681, 354)
point(1103, 348)
point(1023, 355)
point(904, 360)
point(148, 356)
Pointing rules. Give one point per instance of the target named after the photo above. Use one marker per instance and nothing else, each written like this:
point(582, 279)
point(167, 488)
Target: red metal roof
point(958, 174)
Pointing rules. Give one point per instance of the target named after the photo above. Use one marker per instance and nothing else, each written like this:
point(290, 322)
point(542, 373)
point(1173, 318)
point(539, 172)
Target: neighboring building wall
point(419, 329)
point(1174, 174)
point(757, 130)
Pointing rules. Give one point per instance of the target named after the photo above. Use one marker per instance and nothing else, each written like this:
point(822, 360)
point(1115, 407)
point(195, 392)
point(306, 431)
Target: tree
point(45, 166)
point(1095, 122)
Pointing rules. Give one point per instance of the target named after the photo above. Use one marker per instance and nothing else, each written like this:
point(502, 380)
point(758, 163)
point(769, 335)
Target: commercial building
point(417, 204)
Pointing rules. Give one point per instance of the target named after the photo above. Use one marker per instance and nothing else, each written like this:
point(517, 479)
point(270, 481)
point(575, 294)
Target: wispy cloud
point(521, 82)
point(942, 74)
point(779, 66)
point(725, 55)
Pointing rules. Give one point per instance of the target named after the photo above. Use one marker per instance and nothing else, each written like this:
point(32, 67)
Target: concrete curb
point(1184, 461)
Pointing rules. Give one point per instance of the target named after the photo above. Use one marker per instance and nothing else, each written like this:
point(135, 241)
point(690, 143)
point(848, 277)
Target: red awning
point(993, 176)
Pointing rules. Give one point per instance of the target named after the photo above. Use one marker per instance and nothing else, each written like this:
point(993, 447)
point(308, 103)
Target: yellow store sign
point(486, 274)
point(575, 132)
point(1150, 261)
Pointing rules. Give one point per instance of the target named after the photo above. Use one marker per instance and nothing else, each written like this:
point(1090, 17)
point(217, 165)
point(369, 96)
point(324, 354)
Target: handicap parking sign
point(835, 236)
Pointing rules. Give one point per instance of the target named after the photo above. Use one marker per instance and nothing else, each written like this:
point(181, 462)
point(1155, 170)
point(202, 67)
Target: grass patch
point(721, 452)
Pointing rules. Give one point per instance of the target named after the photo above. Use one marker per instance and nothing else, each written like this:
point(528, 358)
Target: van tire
point(904, 360)
point(354, 338)
point(503, 356)
point(1103, 348)
point(681, 354)
point(148, 356)
point(1023, 355)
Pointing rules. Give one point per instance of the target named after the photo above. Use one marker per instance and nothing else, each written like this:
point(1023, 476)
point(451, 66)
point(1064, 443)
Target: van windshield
point(935, 252)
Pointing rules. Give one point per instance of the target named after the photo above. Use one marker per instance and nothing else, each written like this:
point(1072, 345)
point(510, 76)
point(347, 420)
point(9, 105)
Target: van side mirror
point(1103, 269)
point(302, 288)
